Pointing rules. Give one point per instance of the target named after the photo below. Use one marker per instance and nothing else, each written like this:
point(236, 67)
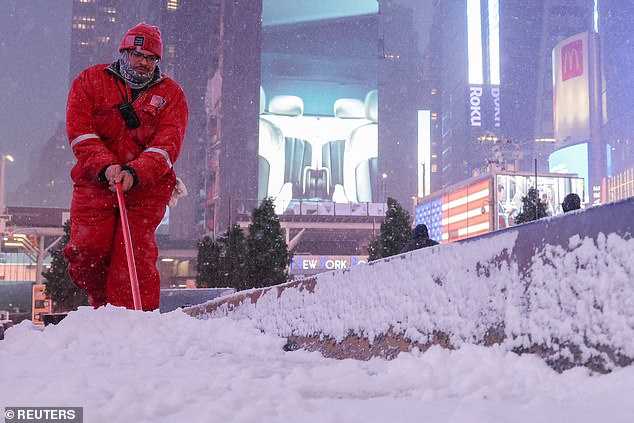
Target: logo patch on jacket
point(157, 101)
point(138, 41)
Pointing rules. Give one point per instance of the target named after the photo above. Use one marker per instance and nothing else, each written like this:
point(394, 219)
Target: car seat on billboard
point(271, 157)
point(349, 114)
point(271, 154)
point(285, 112)
point(360, 160)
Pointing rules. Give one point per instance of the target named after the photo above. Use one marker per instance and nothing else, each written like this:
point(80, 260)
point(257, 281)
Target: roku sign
point(495, 94)
point(475, 100)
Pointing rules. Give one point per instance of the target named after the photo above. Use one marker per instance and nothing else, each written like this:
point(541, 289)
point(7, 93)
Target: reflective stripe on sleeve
point(82, 138)
point(162, 153)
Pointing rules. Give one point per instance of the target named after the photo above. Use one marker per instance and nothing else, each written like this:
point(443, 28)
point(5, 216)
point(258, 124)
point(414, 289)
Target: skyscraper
point(400, 84)
point(617, 44)
point(559, 20)
point(496, 80)
point(97, 28)
point(470, 85)
point(231, 104)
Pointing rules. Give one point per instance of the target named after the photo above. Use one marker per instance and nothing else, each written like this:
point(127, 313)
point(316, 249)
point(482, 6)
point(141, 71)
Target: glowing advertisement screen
point(551, 191)
point(490, 204)
point(571, 87)
point(318, 138)
point(474, 42)
point(457, 214)
point(484, 92)
point(572, 159)
point(424, 152)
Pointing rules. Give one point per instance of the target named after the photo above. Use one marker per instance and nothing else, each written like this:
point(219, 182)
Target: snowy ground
point(129, 366)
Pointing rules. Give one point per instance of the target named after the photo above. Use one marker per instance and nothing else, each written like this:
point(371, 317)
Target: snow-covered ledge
point(562, 288)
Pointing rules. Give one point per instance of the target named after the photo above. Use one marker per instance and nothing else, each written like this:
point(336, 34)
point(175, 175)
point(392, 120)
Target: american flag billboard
point(490, 202)
point(460, 214)
point(431, 215)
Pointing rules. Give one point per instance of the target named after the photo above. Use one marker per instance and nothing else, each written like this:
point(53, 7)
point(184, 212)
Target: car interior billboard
point(318, 137)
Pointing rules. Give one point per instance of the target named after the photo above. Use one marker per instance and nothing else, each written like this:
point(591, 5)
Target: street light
point(3, 217)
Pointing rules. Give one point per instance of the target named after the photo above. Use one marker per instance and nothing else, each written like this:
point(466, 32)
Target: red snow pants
point(96, 252)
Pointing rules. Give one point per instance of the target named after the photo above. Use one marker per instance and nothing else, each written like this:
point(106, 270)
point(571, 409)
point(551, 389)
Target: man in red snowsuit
point(125, 123)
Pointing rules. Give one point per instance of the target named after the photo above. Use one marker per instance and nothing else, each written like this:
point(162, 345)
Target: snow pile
point(122, 365)
point(572, 301)
point(583, 294)
point(573, 297)
point(425, 290)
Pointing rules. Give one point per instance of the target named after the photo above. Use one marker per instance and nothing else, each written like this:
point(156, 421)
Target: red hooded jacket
point(99, 136)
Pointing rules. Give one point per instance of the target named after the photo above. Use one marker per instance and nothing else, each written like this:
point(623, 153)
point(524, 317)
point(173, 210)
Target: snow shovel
point(134, 281)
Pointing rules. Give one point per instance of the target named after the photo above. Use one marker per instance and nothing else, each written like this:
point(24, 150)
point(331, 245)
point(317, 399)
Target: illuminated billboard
point(319, 110)
point(579, 107)
point(457, 213)
point(571, 159)
point(483, 72)
point(489, 202)
point(571, 99)
point(424, 153)
point(511, 188)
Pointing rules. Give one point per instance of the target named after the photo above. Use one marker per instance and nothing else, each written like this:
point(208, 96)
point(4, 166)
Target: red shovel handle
point(134, 281)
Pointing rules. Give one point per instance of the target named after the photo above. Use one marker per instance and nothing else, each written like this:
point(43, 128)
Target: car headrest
point(286, 105)
point(372, 106)
point(349, 108)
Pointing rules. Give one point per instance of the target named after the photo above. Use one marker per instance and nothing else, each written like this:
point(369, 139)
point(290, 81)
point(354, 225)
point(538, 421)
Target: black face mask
point(129, 115)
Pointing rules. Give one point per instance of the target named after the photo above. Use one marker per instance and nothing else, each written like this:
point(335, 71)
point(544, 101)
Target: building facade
point(469, 83)
point(496, 81)
point(617, 48)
